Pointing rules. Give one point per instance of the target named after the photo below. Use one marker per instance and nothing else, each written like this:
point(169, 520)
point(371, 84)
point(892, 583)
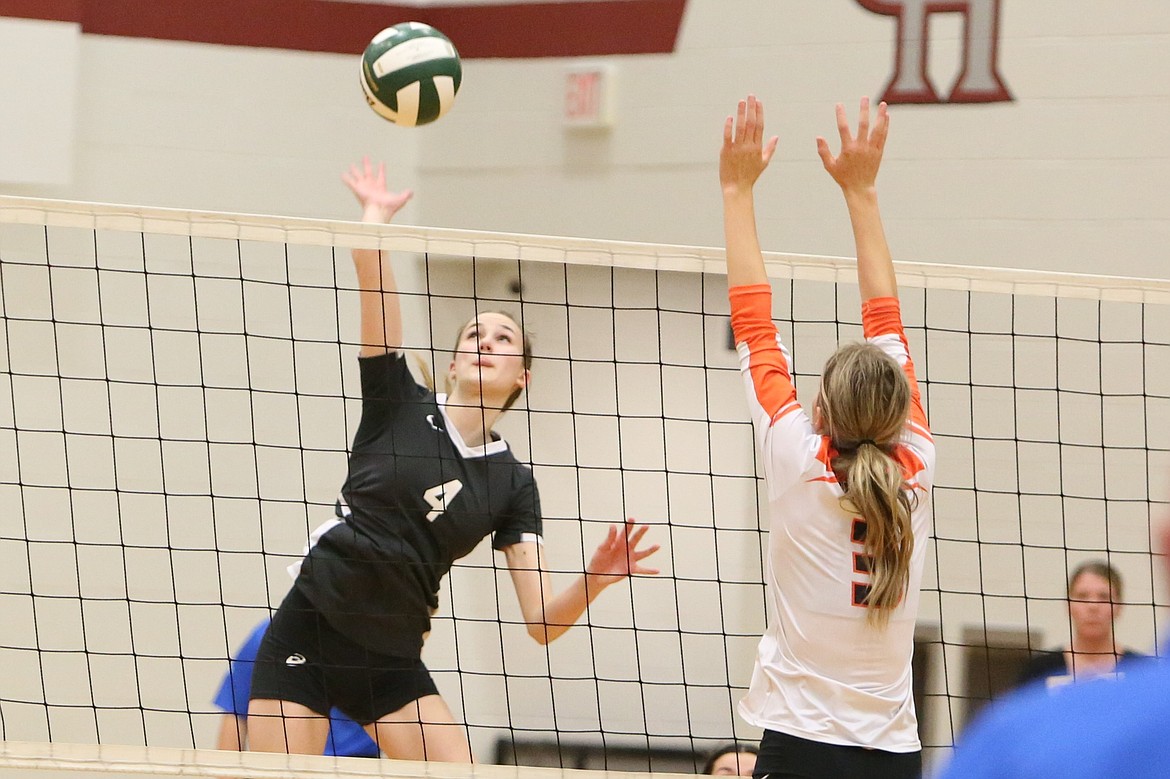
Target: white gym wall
point(1068, 176)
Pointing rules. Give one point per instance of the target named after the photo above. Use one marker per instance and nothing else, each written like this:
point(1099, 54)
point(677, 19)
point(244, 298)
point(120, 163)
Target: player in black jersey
point(428, 480)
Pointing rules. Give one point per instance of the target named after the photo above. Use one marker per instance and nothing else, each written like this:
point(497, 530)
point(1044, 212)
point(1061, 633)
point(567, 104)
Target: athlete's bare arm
point(549, 615)
point(855, 170)
point(743, 158)
point(381, 314)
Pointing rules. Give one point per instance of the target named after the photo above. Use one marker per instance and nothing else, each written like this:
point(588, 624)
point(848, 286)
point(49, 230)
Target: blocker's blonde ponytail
point(864, 405)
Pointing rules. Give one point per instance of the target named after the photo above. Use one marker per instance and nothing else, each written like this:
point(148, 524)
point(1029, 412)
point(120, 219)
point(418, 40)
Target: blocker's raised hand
point(745, 155)
point(856, 166)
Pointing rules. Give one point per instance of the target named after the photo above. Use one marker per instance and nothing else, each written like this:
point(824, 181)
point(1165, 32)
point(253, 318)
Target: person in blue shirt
point(346, 737)
point(1114, 728)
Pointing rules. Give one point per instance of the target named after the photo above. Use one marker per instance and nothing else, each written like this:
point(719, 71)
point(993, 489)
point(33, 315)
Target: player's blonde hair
point(864, 405)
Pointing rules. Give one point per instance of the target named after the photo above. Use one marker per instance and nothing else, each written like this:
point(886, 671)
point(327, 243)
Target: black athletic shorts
point(787, 757)
point(305, 660)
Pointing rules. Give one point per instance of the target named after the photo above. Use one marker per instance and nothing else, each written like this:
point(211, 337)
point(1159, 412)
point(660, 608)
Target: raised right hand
point(856, 166)
point(368, 185)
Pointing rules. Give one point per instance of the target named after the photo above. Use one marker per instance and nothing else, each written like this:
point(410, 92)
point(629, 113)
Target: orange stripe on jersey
point(911, 464)
point(826, 453)
point(908, 461)
point(883, 316)
point(751, 321)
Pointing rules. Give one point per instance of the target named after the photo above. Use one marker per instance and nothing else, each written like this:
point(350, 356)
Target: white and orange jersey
point(822, 671)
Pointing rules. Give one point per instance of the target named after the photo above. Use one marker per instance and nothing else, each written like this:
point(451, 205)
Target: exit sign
point(589, 97)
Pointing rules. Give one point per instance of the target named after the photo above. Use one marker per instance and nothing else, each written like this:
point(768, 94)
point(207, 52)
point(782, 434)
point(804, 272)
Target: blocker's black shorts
point(788, 757)
point(303, 659)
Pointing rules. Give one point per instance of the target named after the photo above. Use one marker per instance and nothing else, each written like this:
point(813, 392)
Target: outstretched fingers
point(634, 535)
point(863, 121)
point(768, 148)
point(621, 551)
point(843, 126)
point(351, 176)
point(642, 570)
point(881, 127)
point(360, 174)
point(745, 154)
point(856, 163)
point(367, 181)
point(747, 126)
point(825, 154)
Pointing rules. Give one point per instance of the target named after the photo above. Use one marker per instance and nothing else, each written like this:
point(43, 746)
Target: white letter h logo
point(979, 81)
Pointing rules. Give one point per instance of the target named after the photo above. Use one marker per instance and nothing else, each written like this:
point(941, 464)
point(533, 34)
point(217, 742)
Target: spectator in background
point(732, 759)
point(346, 737)
point(1094, 604)
point(1083, 731)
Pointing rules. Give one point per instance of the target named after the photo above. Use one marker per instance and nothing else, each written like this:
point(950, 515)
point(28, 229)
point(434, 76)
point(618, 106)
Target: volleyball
point(410, 74)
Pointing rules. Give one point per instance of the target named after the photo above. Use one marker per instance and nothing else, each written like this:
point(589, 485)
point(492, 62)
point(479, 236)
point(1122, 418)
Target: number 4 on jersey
point(439, 498)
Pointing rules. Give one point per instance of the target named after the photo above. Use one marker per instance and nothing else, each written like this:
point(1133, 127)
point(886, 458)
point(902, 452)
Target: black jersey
point(1051, 664)
point(416, 499)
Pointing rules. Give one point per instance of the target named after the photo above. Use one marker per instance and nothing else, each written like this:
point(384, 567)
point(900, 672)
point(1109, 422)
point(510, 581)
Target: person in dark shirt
point(1079, 731)
point(428, 480)
point(1094, 604)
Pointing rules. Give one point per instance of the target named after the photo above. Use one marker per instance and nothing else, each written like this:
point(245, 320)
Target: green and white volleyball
point(410, 73)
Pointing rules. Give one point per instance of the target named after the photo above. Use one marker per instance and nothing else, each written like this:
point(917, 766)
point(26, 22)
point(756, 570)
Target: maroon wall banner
point(489, 28)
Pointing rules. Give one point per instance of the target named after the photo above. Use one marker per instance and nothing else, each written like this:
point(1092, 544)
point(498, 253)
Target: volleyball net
point(178, 391)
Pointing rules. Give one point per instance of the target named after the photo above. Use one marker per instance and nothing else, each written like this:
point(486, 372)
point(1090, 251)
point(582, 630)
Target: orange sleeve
point(751, 322)
point(883, 317)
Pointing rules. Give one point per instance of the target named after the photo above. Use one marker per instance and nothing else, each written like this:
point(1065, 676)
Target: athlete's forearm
point(745, 261)
point(875, 268)
point(381, 319)
point(565, 608)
